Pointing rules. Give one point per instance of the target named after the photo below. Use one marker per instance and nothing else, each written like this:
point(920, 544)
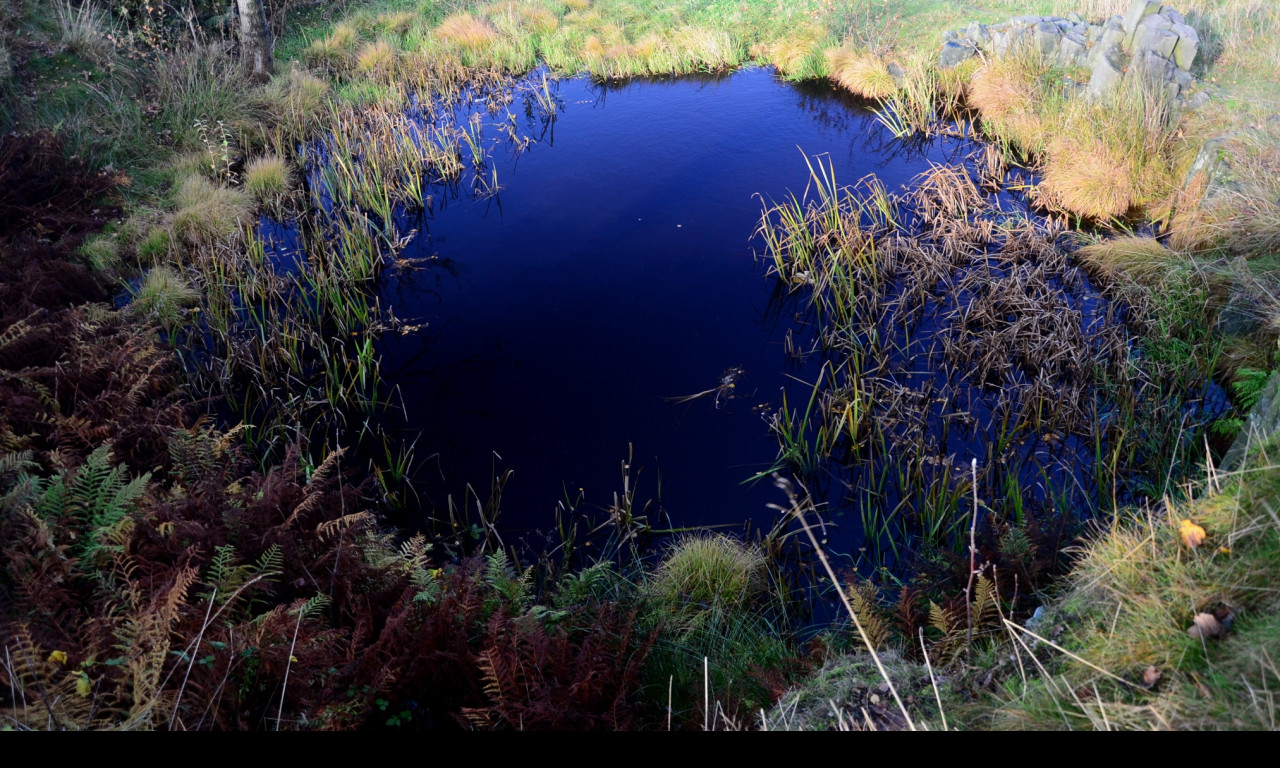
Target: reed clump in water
point(953, 332)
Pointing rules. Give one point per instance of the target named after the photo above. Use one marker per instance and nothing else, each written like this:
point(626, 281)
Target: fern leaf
point(939, 619)
point(862, 597)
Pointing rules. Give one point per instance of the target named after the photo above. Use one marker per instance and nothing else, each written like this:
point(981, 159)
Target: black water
point(613, 273)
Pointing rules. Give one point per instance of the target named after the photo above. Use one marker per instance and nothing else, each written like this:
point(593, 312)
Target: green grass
point(1131, 600)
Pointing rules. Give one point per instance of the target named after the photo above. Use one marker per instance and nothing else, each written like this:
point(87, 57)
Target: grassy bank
point(161, 572)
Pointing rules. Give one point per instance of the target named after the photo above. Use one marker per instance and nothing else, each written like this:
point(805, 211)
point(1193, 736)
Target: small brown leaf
point(1205, 626)
point(1150, 677)
point(1192, 534)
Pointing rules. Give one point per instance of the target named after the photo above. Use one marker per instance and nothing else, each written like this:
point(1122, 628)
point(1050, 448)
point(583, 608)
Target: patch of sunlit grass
point(861, 73)
point(466, 31)
point(377, 59)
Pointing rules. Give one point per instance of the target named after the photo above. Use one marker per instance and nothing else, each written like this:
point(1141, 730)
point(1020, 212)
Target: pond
point(591, 299)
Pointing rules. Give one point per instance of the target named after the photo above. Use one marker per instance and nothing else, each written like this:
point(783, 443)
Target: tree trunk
point(255, 39)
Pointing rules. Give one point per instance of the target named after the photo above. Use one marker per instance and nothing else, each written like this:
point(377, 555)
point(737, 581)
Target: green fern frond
point(271, 563)
point(591, 583)
point(501, 576)
point(1248, 386)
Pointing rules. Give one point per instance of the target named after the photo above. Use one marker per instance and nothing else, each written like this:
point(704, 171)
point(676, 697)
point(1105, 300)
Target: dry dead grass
point(466, 31)
point(794, 53)
point(376, 59)
point(1008, 95)
point(1134, 257)
point(1088, 176)
point(861, 72)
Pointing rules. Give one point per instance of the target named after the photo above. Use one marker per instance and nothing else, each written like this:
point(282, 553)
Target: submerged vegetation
point(189, 542)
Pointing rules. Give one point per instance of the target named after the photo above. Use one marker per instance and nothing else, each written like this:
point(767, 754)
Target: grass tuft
point(861, 73)
point(163, 297)
point(102, 252)
point(208, 212)
point(266, 177)
point(466, 32)
point(85, 30)
point(376, 59)
point(710, 571)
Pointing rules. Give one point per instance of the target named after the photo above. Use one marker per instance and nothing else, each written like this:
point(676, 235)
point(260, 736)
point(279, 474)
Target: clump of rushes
point(208, 212)
point(163, 296)
point(266, 177)
point(861, 72)
point(466, 32)
point(376, 59)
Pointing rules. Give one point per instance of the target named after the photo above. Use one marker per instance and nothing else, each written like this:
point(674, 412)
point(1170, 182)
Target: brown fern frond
point(863, 597)
point(328, 528)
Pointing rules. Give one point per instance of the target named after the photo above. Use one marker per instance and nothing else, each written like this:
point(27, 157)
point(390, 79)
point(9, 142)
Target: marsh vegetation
point(978, 377)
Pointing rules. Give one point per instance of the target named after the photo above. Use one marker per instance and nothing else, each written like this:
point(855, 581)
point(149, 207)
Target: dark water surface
point(614, 272)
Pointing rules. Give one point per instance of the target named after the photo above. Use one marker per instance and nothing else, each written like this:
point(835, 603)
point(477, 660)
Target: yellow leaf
point(293, 659)
point(83, 686)
point(1192, 534)
point(58, 657)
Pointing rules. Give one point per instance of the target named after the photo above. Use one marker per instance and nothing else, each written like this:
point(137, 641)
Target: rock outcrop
point(1151, 40)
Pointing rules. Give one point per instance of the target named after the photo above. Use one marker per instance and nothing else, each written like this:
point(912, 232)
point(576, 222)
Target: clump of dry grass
point(861, 72)
point(1008, 94)
point(266, 177)
point(1139, 258)
point(397, 23)
point(85, 30)
point(797, 54)
point(1090, 177)
point(706, 48)
point(538, 20)
point(335, 51)
point(1242, 217)
point(377, 59)
point(466, 31)
point(163, 297)
point(208, 213)
point(1110, 157)
point(294, 101)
